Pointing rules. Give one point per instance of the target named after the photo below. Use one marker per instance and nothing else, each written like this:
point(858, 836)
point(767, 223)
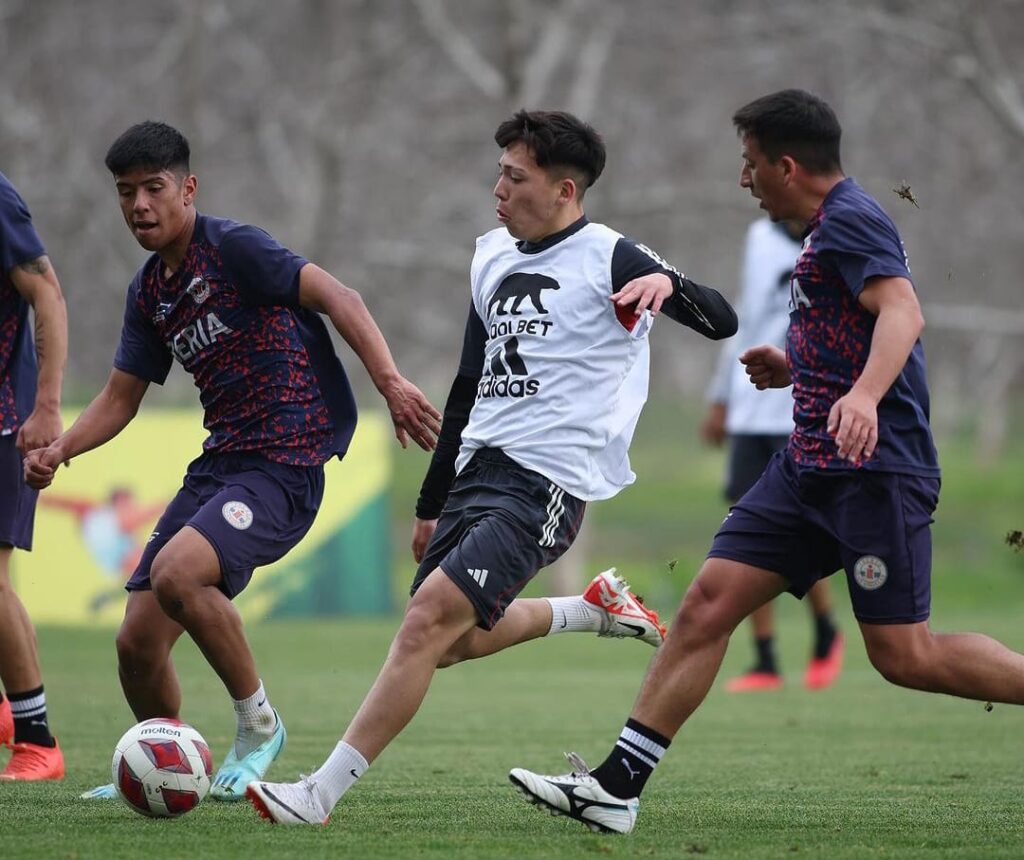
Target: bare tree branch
point(592, 61)
point(460, 49)
point(986, 71)
point(540, 65)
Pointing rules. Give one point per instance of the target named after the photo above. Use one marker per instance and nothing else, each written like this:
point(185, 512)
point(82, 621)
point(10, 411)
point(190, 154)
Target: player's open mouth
point(501, 215)
point(144, 226)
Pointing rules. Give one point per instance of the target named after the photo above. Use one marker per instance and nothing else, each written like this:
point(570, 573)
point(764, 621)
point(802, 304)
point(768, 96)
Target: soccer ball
point(162, 768)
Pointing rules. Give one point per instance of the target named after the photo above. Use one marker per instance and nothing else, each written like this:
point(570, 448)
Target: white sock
point(573, 615)
point(338, 774)
point(256, 721)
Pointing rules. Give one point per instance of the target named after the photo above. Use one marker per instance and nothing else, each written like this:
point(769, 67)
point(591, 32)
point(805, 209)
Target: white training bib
point(563, 380)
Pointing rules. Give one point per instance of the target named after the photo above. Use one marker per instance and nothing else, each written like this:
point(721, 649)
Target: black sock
point(632, 760)
point(30, 726)
point(824, 633)
point(765, 646)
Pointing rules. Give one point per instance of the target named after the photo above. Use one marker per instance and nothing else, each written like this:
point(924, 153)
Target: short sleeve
point(265, 272)
point(141, 352)
point(861, 246)
point(19, 241)
point(632, 260)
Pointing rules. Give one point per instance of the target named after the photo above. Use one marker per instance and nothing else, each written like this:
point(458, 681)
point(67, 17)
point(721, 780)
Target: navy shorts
point(501, 524)
point(17, 499)
point(805, 524)
point(250, 509)
point(749, 455)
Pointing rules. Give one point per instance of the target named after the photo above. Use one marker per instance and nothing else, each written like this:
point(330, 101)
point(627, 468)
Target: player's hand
point(712, 428)
point(853, 421)
point(412, 414)
point(648, 292)
point(40, 429)
point(766, 366)
point(41, 465)
point(422, 532)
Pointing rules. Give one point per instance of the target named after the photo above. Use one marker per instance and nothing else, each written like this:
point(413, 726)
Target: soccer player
point(758, 425)
point(855, 489)
point(29, 418)
point(241, 314)
point(552, 379)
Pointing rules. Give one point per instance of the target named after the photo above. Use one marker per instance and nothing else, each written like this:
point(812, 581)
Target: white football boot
point(288, 802)
point(578, 795)
point(623, 613)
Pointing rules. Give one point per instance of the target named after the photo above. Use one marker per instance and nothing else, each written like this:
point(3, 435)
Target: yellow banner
point(93, 521)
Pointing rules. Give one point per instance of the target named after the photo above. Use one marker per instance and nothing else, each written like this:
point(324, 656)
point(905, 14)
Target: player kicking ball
point(553, 376)
point(855, 489)
point(241, 314)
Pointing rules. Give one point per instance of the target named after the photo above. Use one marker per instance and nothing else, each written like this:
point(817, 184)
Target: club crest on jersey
point(238, 514)
point(199, 289)
point(870, 572)
point(161, 311)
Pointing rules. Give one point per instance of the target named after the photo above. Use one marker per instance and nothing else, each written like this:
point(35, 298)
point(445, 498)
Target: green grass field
point(860, 770)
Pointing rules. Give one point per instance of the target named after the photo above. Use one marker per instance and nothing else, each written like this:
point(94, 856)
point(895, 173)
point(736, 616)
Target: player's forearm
point(37, 282)
point(897, 329)
point(701, 308)
point(441, 472)
point(353, 322)
point(51, 336)
point(100, 421)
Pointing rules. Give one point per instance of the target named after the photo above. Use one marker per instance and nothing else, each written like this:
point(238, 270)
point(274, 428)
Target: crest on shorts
point(199, 289)
point(238, 514)
point(870, 572)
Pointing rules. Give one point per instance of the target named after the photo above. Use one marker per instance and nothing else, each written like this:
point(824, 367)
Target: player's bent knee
point(422, 629)
point(702, 614)
point(905, 669)
point(134, 651)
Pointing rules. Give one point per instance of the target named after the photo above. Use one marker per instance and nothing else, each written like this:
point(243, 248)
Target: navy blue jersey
point(267, 374)
point(851, 239)
point(19, 244)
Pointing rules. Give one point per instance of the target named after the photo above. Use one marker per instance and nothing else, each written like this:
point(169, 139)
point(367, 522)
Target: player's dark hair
point(151, 146)
point(557, 139)
point(794, 123)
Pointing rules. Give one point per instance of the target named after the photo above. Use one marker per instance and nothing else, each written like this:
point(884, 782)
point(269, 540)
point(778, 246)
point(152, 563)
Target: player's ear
point(189, 187)
point(567, 190)
point(789, 168)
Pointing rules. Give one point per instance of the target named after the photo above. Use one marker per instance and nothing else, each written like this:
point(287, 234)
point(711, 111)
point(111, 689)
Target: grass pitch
point(860, 770)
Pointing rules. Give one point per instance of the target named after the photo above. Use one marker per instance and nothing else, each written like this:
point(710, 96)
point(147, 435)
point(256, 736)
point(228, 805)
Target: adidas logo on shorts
point(480, 576)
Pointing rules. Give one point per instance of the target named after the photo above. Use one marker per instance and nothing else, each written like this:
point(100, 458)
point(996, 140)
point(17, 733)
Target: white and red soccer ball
point(162, 768)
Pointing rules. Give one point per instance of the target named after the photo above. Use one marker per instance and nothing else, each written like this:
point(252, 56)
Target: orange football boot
point(754, 682)
point(34, 762)
point(822, 672)
point(6, 723)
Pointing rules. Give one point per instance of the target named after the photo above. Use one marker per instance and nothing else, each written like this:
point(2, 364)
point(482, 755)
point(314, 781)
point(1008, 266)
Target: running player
point(553, 376)
point(855, 489)
point(758, 424)
point(29, 418)
point(241, 314)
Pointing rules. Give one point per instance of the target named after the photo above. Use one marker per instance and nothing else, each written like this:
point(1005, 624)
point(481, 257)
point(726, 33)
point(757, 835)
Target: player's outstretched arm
point(108, 414)
point(411, 412)
point(766, 366)
point(37, 282)
point(703, 309)
point(642, 280)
